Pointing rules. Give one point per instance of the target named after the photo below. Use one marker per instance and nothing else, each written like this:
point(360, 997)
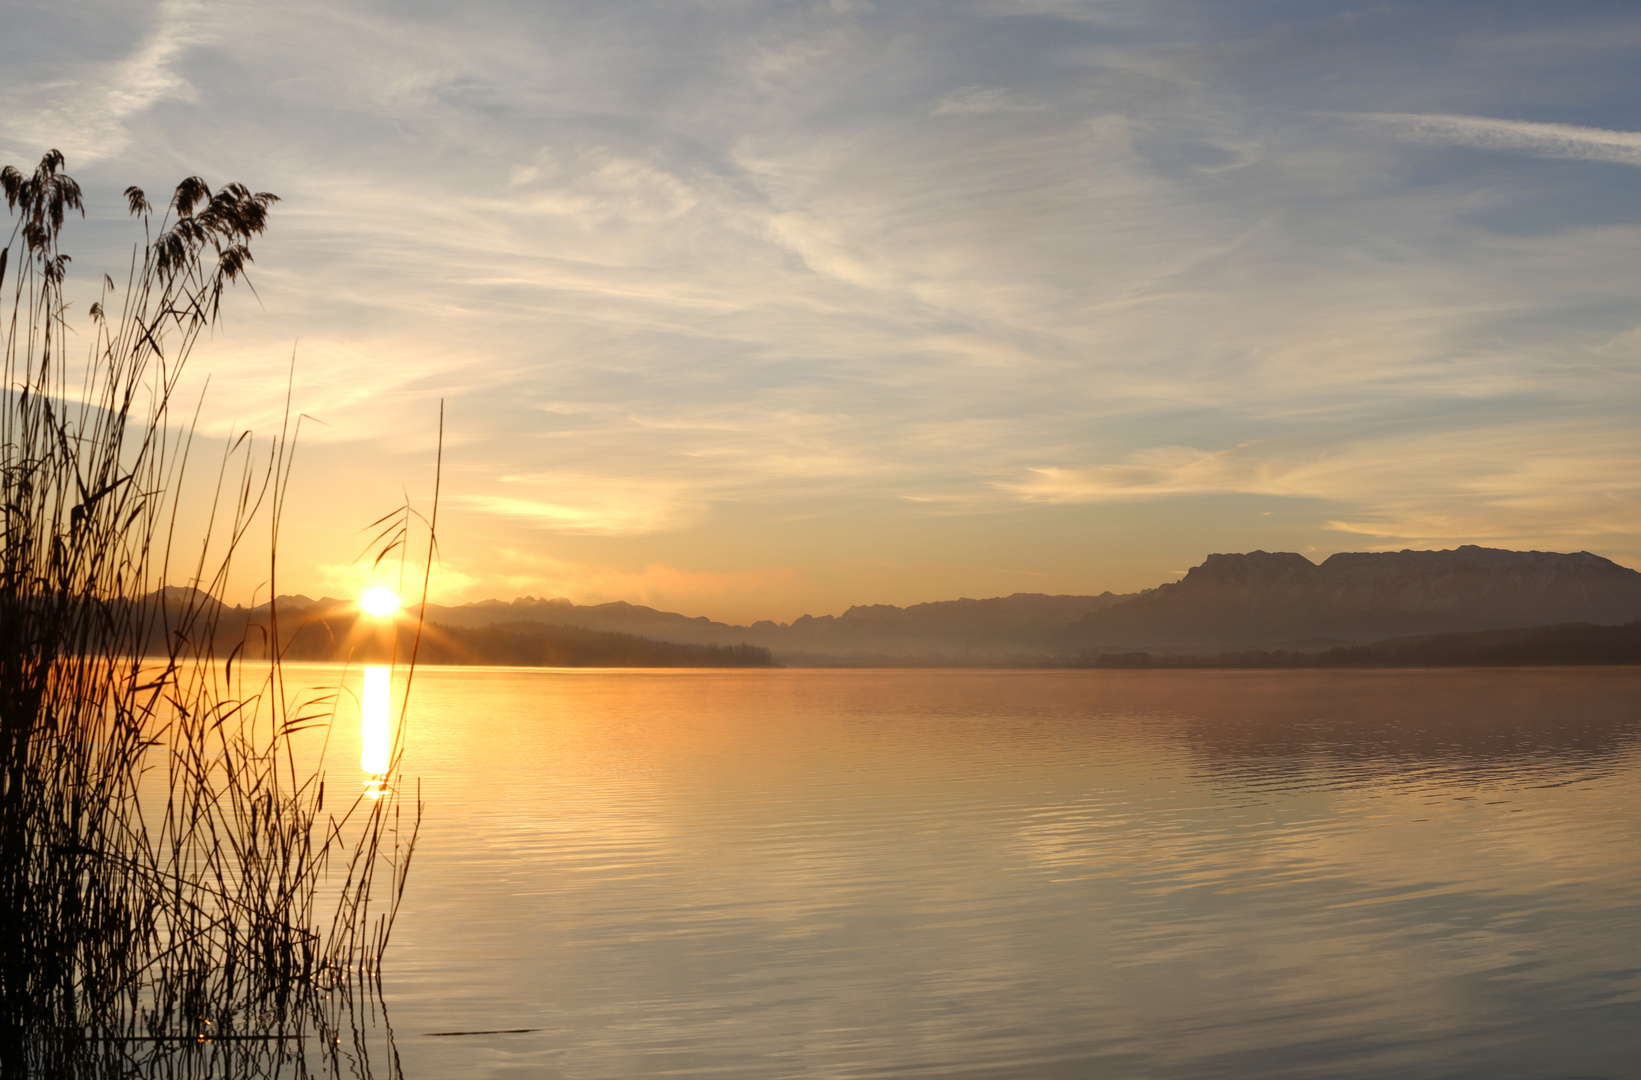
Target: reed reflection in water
point(1010, 874)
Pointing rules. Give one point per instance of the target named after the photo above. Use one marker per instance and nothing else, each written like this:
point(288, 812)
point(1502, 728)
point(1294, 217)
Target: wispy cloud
point(982, 101)
point(1150, 474)
point(693, 272)
point(592, 505)
point(1517, 136)
point(86, 112)
point(1548, 484)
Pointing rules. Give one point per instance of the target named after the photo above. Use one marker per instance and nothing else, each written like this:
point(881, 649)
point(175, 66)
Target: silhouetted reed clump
point(170, 869)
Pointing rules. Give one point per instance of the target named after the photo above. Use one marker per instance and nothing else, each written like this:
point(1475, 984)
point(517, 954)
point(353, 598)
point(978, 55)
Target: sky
point(754, 309)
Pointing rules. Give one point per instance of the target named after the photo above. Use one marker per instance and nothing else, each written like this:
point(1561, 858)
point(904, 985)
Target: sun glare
point(375, 721)
point(379, 602)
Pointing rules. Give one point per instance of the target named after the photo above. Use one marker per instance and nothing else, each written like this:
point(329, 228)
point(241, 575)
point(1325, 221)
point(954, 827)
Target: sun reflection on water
point(375, 728)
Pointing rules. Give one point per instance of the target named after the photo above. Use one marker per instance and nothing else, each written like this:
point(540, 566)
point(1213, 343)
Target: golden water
point(1023, 874)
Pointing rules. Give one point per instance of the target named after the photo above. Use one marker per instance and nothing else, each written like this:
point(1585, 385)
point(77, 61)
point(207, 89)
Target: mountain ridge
point(1260, 597)
point(1255, 599)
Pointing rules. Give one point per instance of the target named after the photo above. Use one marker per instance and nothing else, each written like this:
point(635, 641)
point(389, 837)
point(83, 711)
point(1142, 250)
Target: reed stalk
point(173, 871)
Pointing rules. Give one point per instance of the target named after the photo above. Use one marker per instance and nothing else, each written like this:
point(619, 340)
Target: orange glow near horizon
point(379, 602)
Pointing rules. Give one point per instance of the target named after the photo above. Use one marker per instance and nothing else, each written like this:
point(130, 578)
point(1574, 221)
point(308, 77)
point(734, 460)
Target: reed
point(172, 866)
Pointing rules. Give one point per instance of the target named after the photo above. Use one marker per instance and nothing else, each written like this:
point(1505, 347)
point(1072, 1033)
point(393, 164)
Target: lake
point(799, 873)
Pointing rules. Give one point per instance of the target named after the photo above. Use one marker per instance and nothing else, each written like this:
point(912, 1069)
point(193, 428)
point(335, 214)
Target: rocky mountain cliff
point(1266, 597)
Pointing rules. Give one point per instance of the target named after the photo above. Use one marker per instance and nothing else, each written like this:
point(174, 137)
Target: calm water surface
point(1039, 874)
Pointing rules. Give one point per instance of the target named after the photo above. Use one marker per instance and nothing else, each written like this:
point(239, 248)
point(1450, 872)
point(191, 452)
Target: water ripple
point(1171, 874)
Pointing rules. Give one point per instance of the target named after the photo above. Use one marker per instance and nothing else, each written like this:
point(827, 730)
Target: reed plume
point(171, 869)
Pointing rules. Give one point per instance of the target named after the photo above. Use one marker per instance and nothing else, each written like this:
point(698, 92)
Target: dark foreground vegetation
point(1573, 644)
point(180, 892)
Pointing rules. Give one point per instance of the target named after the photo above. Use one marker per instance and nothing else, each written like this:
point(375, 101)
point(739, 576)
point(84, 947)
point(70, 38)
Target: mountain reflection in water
point(1023, 874)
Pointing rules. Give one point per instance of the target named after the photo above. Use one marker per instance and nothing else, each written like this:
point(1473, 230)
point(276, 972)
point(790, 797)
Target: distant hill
point(1258, 600)
point(1230, 601)
point(1023, 622)
point(331, 630)
point(1264, 597)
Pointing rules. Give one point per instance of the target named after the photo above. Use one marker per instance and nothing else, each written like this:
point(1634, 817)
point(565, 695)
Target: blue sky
point(751, 309)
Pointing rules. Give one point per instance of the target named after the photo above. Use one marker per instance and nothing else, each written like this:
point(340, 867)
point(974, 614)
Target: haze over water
point(1033, 874)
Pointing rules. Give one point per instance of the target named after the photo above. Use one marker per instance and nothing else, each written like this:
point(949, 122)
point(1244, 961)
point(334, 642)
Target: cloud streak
point(1567, 141)
point(599, 506)
point(87, 112)
point(941, 289)
point(1555, 484)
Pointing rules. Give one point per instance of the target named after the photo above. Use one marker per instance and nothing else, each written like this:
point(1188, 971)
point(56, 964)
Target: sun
point(379, 602)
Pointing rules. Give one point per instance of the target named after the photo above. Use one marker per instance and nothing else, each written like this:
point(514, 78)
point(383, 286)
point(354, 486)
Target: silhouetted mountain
point(335, 630)
point(1029, 622)
point(1023, 621)
point(1265, 597)
point(1257, 600)
point(617, 617)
